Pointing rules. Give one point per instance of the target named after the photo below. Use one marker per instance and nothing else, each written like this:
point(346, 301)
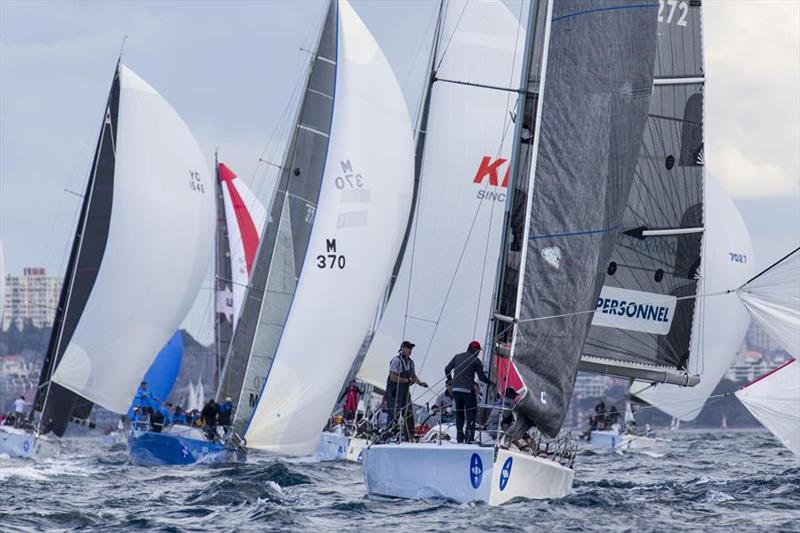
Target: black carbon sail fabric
point(596, 93)
point(667, 194)
point(59, 405)
point(285, 238)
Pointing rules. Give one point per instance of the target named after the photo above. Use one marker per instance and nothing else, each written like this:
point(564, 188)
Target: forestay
point(441, 298)
point(140, 253)
point(352, 152)
point(727, 262)
point(646, 309)
point(571, 188)
point(774, 399)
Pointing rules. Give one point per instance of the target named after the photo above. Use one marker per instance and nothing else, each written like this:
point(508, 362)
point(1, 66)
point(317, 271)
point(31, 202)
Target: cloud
point(753, 96)
point(746, 177)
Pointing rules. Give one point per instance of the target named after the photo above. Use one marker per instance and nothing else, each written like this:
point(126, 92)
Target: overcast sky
point(229, 69)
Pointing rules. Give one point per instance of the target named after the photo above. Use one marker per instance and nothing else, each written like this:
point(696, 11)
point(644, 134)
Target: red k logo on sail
point(490, 169)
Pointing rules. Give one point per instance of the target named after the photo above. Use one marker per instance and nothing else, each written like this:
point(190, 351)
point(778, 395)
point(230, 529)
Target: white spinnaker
point(333, 307)
point(773, 299)
point(720, 322)
point(240, 276)
point(158, 249)
point(774, 399)
point(444, 299)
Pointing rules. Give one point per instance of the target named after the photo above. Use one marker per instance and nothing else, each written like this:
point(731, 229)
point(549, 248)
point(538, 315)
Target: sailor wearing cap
point(398, 387)
point(464, 367)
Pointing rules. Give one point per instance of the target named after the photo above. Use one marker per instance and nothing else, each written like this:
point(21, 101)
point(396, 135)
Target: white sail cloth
point(720, 321)
point(158, 250)
point(245, 216)
point(334, 302)
point(774, 399)
point(773, 299)
point(442, 296)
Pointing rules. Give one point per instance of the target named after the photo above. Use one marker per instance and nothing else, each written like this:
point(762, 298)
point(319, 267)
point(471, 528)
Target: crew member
point(398, 388)
point(225, 411)
point(465, 366)
point(209, 413)
point(350, 397)
point(501, 412)
point(19, 411)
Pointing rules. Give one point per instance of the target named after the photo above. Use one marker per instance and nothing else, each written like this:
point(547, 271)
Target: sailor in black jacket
point(465, 366)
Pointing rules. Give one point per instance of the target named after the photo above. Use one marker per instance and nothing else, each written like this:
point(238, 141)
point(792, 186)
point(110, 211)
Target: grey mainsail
point(285, 237)
point(582, 117)
point(641, 318)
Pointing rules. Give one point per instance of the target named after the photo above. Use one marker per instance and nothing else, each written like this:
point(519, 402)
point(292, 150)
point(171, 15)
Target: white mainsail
point(442, 296)
point(357, 230)
point(720, 321)
point(774, 399)
point(157, 251)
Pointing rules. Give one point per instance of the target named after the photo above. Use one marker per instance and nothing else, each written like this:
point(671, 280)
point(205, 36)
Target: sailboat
point(239, 219)
point(727, 260)
point(137, 261)
point(773, 299)
point(334, 230)
point(587, 78)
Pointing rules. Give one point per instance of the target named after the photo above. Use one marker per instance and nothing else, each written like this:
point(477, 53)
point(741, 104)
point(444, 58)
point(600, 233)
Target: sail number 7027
point(682, 6)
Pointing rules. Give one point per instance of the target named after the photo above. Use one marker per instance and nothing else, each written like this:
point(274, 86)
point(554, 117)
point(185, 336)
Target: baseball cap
point(474, 345)
point(407, 344)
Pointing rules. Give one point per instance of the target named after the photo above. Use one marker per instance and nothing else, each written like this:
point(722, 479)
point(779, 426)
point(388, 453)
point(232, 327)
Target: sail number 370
point(666, 11)
point(331, 259)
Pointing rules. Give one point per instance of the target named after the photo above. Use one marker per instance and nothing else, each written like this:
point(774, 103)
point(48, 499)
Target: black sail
point(566, 210)
point(657, 253)
point(223, 288)
point(285, 238)
point(56, 403)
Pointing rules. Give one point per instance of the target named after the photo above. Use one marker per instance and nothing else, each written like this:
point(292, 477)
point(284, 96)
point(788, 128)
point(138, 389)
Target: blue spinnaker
point(163, 373)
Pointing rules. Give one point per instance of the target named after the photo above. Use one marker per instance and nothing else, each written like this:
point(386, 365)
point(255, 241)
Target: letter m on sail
point(490, 168)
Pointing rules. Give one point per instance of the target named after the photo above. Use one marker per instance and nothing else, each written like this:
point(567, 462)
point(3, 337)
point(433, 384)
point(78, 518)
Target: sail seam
point(601, 9)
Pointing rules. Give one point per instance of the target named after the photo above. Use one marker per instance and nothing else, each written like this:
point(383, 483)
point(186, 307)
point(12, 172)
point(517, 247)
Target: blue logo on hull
point(505, 473)
point(475, 470)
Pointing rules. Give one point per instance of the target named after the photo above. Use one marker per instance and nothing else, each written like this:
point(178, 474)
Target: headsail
point(773, 299)
point(336, 223)
point(727, 262)
point(138, 259)
point(240, 219)
point(442, 296)
point(646, 309)
point(572, 176)
point(774, 399)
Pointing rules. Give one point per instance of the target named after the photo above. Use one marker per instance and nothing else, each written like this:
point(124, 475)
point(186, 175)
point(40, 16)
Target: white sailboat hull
point(613, 440)
point(20, 443)
point(461, 473)
point(332, 447)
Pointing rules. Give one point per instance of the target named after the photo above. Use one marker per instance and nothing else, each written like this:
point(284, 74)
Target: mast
point(55, 402)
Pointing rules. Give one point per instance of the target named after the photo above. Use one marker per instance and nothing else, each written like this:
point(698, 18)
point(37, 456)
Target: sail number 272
point(671, 5)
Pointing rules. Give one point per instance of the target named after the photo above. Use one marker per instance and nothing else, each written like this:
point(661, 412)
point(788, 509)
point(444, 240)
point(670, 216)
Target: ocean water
point(705, 481)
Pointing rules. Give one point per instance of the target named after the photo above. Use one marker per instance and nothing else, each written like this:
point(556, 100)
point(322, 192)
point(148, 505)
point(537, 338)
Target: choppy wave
point(704, 481)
